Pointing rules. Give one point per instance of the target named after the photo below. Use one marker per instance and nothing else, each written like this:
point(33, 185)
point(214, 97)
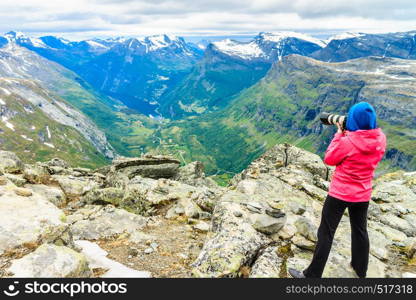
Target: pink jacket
point(355, 155)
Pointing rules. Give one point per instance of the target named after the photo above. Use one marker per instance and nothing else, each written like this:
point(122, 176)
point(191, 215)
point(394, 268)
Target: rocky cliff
point(150, 217)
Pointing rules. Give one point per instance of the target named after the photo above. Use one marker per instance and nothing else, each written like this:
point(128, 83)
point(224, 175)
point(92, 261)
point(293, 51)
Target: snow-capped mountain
point(270, 46)
point(230, 66)
point(128, 69)
point(348, 46)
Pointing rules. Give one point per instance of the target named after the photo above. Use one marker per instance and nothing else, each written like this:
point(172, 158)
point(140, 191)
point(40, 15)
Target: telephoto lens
point(332, 119)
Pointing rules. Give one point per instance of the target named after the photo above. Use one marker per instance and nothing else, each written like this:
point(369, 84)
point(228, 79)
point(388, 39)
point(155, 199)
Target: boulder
point(267, 224)
point(95, 222)
point(10, 163)
point(28, 220)
point(51, 261)
point(74, 187)
point(232, 243)
point(37, 174)
point(147, 166)
point(393, 192)
point(267, 265)
point(307, 228)
point(109, 195)
point(51, 193)
point(17, 179)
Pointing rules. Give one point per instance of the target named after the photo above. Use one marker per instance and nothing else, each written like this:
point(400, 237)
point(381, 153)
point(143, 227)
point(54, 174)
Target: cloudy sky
point(78, 19)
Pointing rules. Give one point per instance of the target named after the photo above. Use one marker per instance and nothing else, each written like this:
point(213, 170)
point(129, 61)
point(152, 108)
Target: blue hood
point(361, 116)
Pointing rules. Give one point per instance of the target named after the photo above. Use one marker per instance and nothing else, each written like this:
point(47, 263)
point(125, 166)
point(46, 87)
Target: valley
point(224, 104)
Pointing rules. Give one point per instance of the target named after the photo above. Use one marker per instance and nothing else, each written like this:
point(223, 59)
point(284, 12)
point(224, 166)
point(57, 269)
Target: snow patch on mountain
point(345, 36)
point(241, 49)
point(7, 123)
point(277, 37)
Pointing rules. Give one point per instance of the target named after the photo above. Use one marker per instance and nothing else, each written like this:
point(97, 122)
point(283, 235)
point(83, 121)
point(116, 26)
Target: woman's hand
point(340, 129)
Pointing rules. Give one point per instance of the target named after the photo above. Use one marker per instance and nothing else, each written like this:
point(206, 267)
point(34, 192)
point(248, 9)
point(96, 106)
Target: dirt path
point(178, 244)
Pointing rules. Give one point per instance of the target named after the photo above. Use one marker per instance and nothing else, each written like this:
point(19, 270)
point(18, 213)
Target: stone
point(147, 166)
point(133, 252)
point(201, 226)
point(23, 192)
point(108, 195)
point(10, 163)
point(96, 222)
point(232, 243)
point(74, 187)
point(393, 192)
point(267, 265)
point(3, 180)
point(302, 242)
point(28, 220)
point(57, 162)
point(51, 193)
point(37, 174)
point(307, 228)
point(17, 179)
point(148, 250)
point(51, 261)
point(267, 224)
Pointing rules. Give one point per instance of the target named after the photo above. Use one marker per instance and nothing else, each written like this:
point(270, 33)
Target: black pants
point(331, 215)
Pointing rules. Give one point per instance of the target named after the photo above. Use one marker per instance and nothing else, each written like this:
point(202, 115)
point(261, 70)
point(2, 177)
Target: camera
point(332, 119)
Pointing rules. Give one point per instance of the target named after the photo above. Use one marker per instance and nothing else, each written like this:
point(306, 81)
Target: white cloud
point(86, 18)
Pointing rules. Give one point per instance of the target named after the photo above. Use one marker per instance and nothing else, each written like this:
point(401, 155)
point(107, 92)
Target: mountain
point(230, 66)
point(106, 123)
point(284, 107)
point(354, 45)
point(136, 71)
point(39, 123)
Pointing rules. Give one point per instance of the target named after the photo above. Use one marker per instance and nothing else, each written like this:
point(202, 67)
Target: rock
point(57, 162)
point(23, 192)
point(302, 242)
point(37, 174)
point(3, 180)
point(232, 243)
point(29, 220)
point(147, 166)
point(51, 193)
point(266, 224)
point(133, 252)
point(18, 180)
point(74, 187)
point(109, 195)
point(96, 222)
point(193, 174)
point(51, 261)
point(10, 163)
point(238, 214)
point(398, 223)
point(267, 265)
point(307, 228)
point(255, 207)
point(393, 192)
point(378, 244)
point(201, 226)
point(148, 250)
point(97, 258)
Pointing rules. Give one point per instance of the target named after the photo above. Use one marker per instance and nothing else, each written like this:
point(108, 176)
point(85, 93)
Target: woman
point(355, 153)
